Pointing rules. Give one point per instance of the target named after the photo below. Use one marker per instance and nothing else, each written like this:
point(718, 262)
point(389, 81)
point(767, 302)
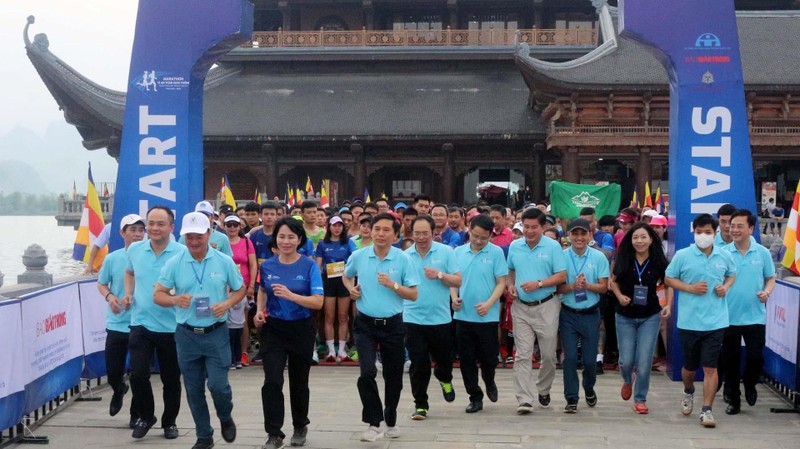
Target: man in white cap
point(218, 240)
point(195, 283)
point(111, 284)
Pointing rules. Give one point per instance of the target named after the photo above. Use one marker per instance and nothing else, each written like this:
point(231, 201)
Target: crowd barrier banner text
point(783, 317)
point(12, 363)
point(52, 343)
point(93, 320)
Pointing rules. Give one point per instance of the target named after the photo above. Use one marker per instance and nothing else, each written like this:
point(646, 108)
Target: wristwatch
point(396, 286)
point(540, 284)
point(439, 275)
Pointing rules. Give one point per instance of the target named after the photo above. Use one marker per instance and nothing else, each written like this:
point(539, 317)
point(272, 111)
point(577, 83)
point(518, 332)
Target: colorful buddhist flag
point(298, 195)
point(225, 193)
point(289, 195)
point(791, 259)
point(634, 201)
point(366, 195)
point(648, 198)
point(323, 197)
point(257, 196)
point(91, 226)
point(309, 187)
point(659, 203)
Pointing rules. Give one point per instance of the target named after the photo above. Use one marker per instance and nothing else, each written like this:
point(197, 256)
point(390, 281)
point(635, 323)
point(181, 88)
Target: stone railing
point(424, 38)
point(70, 210)
point(35, 277)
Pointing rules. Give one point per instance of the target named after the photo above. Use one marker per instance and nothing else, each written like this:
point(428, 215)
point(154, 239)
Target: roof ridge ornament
point(598, 4)
point(40, 41)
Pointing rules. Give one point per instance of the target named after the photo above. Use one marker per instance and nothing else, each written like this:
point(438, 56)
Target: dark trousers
point(571, 327)
point(479, 346)
point(235, 337)
point(754, 339)
point(116, 353)
point(423, 343)
point(141, 344)
point(389, 334)
point(283, 340)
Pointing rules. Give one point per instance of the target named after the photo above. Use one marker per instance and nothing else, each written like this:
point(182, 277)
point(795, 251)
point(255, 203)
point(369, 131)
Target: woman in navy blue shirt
point(332, 253)
point(291, 289)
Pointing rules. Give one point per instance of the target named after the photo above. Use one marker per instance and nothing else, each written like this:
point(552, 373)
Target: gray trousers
point(532, 323)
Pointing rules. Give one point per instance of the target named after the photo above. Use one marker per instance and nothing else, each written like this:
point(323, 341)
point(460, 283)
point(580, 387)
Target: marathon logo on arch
point(153, 81)
point(585, 199)
point(51, 323)
point(707, 41)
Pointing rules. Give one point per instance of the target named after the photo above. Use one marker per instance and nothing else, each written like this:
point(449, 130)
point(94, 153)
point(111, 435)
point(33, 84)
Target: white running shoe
point(371, 434)
point(707, 419)
point(392, 432)
point(687, 404)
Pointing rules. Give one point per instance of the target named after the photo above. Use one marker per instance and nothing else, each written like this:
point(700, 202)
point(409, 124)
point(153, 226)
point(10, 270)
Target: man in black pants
point(153, 326)
point(111, 284)
point(428, 319)
point(386, 277)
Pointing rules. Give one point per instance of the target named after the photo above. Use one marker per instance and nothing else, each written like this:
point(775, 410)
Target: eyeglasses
point(232, 224)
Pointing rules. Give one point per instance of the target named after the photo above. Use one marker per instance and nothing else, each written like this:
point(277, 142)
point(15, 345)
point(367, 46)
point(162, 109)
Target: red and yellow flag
point(309, 187)
point(648, 199)
point(323, 197)
point(91, 226)
point(791, 259)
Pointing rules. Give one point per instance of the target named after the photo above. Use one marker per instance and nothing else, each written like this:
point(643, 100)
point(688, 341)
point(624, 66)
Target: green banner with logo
point(567, 199)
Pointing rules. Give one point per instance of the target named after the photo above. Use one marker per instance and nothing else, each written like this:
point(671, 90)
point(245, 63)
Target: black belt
point(586, 311)
point(537, 303)
point(203, 330)
point(380, 322)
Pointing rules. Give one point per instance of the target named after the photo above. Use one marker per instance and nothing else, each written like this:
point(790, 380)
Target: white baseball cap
point(649, 213)
point(517, 227)
point(195, 223)
point(336, 219)
point(204, 207)
point(130, 219)
point(233, 217)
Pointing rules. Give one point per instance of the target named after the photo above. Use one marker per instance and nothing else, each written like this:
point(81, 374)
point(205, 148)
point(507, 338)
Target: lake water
point(20, 232)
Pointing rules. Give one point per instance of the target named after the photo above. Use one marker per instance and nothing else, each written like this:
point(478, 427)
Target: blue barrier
point(781, 359)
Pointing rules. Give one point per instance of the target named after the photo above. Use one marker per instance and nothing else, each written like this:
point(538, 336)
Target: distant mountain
point(16, 176)
point(57, 159)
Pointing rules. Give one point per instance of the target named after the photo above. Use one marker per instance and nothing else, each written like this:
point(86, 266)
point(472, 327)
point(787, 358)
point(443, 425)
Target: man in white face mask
point(703, 274)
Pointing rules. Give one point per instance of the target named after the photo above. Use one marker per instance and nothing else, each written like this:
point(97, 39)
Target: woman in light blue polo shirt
point(291, 289)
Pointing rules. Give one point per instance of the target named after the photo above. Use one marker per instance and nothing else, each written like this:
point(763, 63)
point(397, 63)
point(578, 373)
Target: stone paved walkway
point(336, 410)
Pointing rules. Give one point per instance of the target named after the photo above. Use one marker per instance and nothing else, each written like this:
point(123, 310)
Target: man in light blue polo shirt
point(587, 279)
point(386, 278)
point(218, 240)
point(428, 318)
point(153, 326)
point(536, 266)
point(111, 284)
point(723, 236)
point(477, 309)
point(201, 278)
point(747, 313)
point(703, 273)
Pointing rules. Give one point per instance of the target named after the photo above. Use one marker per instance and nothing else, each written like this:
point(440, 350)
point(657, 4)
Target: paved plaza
point(336, 419)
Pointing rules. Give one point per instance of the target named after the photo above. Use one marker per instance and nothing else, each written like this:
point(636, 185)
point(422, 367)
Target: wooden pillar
point(286, 14)
point(360, 175)
point(272, 169)
point(448, 173)
point(369, 14)
point(643, 172)
point(538, 172)
point(570, 165)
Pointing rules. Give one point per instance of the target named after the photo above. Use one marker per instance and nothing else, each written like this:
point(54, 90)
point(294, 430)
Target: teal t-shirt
point(432, 306)
point(376, 300)
point(753, 269)
point(594, 266)
point(112, 274)
point(210, 279)
point(146, 267)
point(539, 263)
point(479, 273)
point(216, 240)
point(702, 312)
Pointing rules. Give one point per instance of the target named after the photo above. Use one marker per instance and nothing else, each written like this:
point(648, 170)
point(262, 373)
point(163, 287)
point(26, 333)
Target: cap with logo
point(226, 209)
point(204, 207)
point(579, 223)
point(649, 213)
point(130, 219)
point(625, 218)
point(517, 227)
point(336, 219)
point(195, 223)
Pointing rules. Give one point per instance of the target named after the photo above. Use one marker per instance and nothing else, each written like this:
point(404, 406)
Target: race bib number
point(334, 269)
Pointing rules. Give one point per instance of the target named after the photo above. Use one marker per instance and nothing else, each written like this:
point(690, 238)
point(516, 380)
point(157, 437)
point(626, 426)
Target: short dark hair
point(295, 226)
point(606, 220)
point(421, 197)
point(483, 222)
point(498, 208)
point(726, 209)
point(443, 206)
point(587, 211)
point(425, 218)
point(387, 216)
point(270, 205)
point(751, 219)
point(252, 207)
point(308, 204)
point(371, 204)
point(452, 209)
point(239, 208)
point(410, 211)
point(703, 220)
point(535, 214)
point(342, 213)
point(166, 209)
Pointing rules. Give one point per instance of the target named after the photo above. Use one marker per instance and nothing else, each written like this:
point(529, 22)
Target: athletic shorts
point(334, 287)
point(701, 348)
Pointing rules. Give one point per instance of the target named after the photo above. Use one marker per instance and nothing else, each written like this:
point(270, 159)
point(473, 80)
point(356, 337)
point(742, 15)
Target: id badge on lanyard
point(640, 295)
point(202, 307)
point(580, 295)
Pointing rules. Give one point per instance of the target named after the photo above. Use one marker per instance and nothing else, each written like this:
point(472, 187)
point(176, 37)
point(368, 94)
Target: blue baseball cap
point(400, 205)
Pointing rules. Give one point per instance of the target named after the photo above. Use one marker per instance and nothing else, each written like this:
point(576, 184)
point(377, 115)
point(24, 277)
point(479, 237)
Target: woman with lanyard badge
point(332, 253)
point(291, 288)
point(639, 269)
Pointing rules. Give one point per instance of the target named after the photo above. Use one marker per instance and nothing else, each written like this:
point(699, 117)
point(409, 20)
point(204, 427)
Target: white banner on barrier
point(51, 323)
point(782, 312)
point(93, 312)
point(12, 364)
